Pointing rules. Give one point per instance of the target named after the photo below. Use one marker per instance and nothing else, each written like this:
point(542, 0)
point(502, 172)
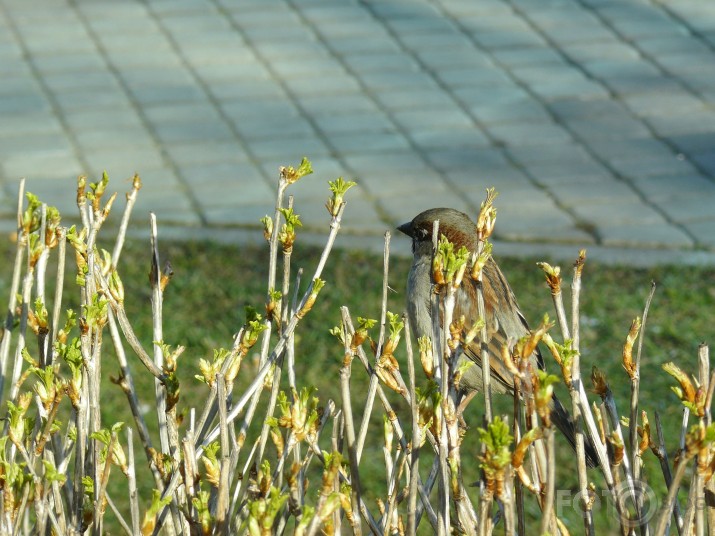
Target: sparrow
point(505, 324)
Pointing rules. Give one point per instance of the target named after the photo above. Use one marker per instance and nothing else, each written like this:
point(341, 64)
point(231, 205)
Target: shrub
point(261, 453)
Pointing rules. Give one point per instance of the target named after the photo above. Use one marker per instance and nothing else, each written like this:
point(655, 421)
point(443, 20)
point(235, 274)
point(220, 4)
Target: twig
point(222, 505)
point(372, 387)
point(635, 381)
point(416, 433)
point(132, 483)
point(347, 413)
point(548, 510)
point(59, 285)
point(126, 215)
point(668, 503)
point(14, 286)
point(662, 454)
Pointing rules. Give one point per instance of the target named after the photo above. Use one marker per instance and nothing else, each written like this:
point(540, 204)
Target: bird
point(505, 323)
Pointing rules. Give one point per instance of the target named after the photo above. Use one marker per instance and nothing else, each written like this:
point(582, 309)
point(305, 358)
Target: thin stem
point(370, 399)
point(416, 433)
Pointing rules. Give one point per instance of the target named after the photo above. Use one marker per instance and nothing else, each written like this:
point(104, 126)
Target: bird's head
point(456, 226)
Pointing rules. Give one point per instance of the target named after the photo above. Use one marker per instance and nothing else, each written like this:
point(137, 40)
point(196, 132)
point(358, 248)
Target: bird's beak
point(406, 228)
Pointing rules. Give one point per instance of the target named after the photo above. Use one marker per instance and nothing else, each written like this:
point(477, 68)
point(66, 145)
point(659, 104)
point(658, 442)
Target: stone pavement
point(594, 119)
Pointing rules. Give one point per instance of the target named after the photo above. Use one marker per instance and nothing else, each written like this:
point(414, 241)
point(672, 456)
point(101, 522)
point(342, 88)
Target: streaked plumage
point(504, 321)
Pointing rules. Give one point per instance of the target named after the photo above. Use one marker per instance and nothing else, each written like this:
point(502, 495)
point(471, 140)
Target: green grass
point(204, 303)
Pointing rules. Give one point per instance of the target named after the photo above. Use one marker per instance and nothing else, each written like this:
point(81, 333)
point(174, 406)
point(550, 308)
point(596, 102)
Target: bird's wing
point(505, 324)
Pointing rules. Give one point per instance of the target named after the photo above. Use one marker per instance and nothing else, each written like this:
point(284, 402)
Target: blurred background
point(594, 119)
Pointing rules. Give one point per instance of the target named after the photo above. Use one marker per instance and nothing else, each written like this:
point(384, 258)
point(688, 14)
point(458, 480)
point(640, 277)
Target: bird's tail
point(563, 421)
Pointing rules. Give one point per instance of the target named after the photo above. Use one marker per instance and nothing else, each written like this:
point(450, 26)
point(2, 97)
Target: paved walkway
point(594, 119)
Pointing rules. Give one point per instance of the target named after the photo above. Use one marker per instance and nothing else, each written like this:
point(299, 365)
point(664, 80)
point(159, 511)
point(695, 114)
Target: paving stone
point(500, 21)
point(578, 87)
point(244, 109)
point(167, 94)
point(380, 59)
point(427, 102)
point(414, 98)
point(540, 224)
point(227, 184)
point(573, 32)
point(111, 138)
point(661, 188)
point(205, 152)
point(504, 177)
point(265, 128)
point(549, 17)
point(118, 117)
point(615, 147)
point(467, 158)
point(400, 79)
point(613, 213)
point(273, 49)
point(317, 66)
point(167, 113)
point(703, 231)
point(664, 45)
point(466, 56)
point(412, 203)
point(192, 131)
point(235, 89)
point(328, 86)
point(614, 70)
point(524, 56)
point(694, 122)
point(666, 103)
point(602, 191)
point(496, 39)
point(360, 214)
point(373, 42)
point(292, 149)
point(637, 29)
point(639, 165)
point(693, 143)
point(399, 163)
point(367, 142)
point(41, 165)
point(88, 99)
point(122, 164)
point(29, 124)
point(170, 206)
point(15, 66)
point(97, 80)
point(612, 49)
point(72, 62)
point(528, 133)
point(635, 235)
point(608, 127)
point(432, 117)
point(461, 77)
point(33, 144)
point(687, 61)
point(705, 160)
point(439, 137)
point(395, 11)
point(569, 109)
point(353, 122)
point(326, 106)
point(58, 190)
point(568, 154)
point(394, 183)
point(506, 94)
point(684, 209)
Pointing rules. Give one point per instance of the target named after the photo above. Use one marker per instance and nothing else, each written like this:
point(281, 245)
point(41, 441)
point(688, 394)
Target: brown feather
point(505, 324)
